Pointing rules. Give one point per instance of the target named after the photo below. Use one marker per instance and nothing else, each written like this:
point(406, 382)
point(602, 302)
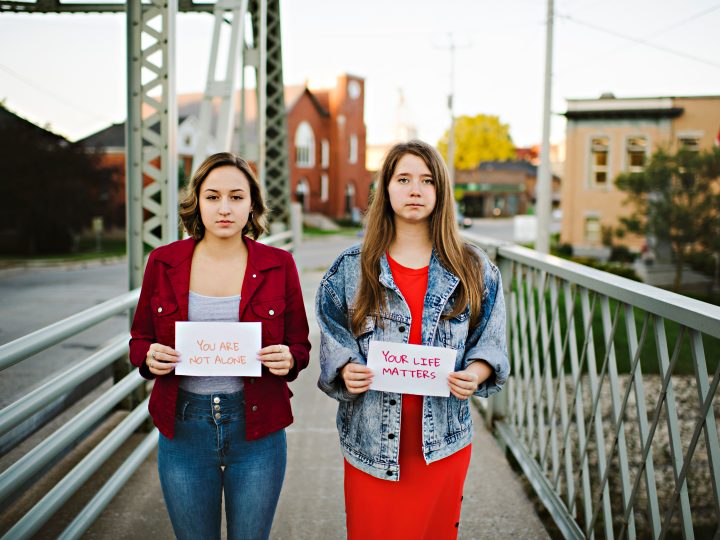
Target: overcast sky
point(68, 71)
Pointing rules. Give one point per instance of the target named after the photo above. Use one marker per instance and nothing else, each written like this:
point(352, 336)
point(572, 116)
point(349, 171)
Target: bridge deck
point(311, 505)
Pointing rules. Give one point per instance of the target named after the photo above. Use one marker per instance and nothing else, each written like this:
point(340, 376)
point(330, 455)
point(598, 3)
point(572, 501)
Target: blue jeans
point(209, 454)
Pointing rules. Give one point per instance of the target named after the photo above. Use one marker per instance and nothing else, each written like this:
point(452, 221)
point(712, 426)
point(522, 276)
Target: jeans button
point(216, 400)
point(402, 329)
point(391, 436)
point(218, 415)
point(393, 402)
point(217, 407)
point(389, 473)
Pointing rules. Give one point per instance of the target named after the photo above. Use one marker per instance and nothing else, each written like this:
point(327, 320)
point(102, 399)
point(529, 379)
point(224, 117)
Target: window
point(689, 142)
point(302, 194)
point(353, 153)
point(599, 150)
point(304, 146)
point(325, 153)
point(324, 187)
point(592, 230)
point(636, 153)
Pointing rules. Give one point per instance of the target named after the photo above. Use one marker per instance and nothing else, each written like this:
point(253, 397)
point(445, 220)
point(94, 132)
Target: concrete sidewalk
point(311, 505)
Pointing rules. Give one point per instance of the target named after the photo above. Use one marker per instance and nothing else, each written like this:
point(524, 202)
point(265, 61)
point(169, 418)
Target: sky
point(68, 71)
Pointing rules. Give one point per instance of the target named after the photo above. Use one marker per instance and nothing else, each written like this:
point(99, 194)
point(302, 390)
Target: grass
point(343, 231)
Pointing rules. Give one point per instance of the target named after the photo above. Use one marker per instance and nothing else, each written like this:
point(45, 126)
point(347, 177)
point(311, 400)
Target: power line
point(47, 92)
point(640, 41)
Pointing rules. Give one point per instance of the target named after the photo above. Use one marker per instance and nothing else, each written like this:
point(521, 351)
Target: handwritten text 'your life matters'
point(218, 348)
point(410, 369)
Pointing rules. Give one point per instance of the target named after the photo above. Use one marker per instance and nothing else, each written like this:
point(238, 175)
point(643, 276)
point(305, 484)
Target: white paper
point(410, 369)
point(218, 348)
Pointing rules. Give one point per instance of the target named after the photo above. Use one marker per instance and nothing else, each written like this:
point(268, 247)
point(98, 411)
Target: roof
point(515, 165)
point(9, 119)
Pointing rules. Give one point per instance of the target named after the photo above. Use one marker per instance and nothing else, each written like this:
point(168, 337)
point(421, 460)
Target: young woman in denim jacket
point(221, 434)
point(413, 280)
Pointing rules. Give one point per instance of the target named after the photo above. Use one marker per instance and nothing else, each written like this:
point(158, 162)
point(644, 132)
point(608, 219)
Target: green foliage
point(478, 138)
point(676, 199)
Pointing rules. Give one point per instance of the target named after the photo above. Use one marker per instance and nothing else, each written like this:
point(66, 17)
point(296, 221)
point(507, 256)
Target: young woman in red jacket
point(221, 434)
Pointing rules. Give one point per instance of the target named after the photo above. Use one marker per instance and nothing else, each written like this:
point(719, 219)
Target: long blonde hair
point(453, 253)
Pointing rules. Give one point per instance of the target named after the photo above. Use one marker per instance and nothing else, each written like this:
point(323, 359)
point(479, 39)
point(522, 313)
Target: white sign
point(410, 369)
point(218, 348)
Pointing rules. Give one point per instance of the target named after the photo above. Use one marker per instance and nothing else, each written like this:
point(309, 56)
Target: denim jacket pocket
point(453, 331)
point(271, 313)
point(366, 334)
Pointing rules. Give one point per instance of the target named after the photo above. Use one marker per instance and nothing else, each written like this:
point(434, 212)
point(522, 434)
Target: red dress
point(425, 502)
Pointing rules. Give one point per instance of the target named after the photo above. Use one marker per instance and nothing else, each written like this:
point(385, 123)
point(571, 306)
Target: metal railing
point(611, 409)
point(20, 475)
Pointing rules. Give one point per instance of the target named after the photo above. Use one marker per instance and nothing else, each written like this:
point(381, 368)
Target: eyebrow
point(231, 191)
point(410, 174)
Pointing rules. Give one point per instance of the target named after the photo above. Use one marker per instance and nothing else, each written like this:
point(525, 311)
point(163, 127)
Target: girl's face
point(412, 190)
point(225, 202)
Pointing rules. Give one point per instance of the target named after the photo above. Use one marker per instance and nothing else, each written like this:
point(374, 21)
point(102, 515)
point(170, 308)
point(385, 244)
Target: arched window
point(304, 145)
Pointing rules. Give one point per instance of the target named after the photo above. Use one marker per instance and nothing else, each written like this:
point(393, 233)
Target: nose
point(224, 208)
point(415, 187)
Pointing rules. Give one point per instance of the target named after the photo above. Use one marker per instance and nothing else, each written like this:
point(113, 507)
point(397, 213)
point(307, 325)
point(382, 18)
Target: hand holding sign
point(411, 369)
point(218, 348)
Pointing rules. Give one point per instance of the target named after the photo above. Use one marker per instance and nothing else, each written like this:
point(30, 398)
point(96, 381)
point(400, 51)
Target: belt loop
point(184, 408)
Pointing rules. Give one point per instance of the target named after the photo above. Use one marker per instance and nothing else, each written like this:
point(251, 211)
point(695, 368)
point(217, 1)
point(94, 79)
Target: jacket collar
point(178, 256)
point(441, 284)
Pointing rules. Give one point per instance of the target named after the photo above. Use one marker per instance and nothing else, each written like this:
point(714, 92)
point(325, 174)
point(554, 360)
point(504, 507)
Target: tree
point(51, 188)
point(477, 139)
point(675, 200)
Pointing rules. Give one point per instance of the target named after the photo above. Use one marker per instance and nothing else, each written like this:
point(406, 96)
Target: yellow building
point(608, 136)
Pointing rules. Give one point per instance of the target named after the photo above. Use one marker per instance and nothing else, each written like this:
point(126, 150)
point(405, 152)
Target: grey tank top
point(209, 309)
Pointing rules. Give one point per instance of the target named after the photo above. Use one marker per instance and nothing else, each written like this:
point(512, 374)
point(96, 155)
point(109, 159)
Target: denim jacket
point(366, 420)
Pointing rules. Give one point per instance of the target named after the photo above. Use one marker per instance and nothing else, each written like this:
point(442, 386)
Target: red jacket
point(270, 294)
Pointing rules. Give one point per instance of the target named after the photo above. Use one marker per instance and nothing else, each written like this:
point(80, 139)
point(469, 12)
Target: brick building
point(326, 143)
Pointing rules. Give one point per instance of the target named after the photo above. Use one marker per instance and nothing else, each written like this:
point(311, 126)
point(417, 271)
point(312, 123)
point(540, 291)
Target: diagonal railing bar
point(711, 434)
point(621, 422)
point(534, 367)
point(560, 363)
point(699, 427)
point(672, 419)
point(595, 418)
point(642, 416)
point(647, 445)
point(535, 336)
point(527, 426)
point(609, 331)
point(576, 368)
point(515, 340)
point(547, 377)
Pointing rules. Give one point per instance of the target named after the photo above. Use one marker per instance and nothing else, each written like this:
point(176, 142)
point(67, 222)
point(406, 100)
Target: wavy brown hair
point(190, 206)
point(454, 254)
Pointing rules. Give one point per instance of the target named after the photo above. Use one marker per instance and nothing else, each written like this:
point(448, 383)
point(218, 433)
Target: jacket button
point(393, 402)
point(402, 328)
point(254, 275)
point(389, 473)
point(391, 436)
point(160, 310)
point(254, 408)
point(271, 312)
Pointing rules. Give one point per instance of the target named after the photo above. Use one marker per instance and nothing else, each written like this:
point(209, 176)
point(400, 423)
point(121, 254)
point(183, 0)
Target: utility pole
point(451, 133)
point(451, 109)
point(543, 202)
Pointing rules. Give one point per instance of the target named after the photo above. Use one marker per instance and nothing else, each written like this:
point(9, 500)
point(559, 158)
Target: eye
point(237, 197)
point(211, 197)
point(429, 181)
point(402, 180)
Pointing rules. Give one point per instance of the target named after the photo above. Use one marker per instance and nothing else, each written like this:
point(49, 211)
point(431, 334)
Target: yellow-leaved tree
point(479, 138)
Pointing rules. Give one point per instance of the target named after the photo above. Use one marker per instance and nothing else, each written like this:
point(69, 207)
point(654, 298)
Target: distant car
point(464, 221)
